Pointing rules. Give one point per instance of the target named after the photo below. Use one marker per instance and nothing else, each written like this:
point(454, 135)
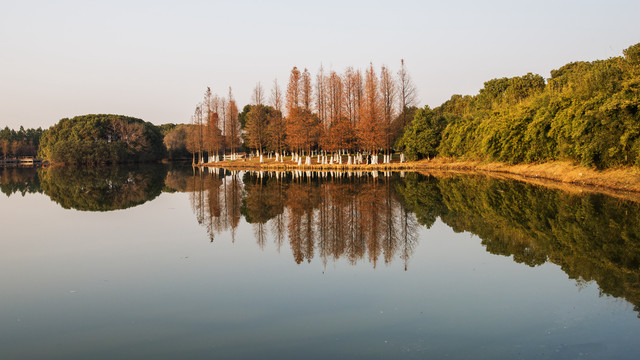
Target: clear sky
point(154, 59)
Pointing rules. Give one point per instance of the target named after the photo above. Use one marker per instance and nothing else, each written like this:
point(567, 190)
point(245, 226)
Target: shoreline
point(564, 172)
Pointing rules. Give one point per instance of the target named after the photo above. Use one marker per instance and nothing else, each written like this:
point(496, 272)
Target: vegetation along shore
point(580, 126)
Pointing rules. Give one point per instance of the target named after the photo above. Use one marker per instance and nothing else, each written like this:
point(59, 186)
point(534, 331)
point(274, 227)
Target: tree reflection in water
point(375, 216)
point(102, 188)
point(328, 215)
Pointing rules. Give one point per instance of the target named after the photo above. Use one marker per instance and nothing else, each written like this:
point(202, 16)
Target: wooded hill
point(95, 139)
point(587, 112)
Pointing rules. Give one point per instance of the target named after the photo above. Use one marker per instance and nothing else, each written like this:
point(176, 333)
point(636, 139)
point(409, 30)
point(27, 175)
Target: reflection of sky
point(146, 282)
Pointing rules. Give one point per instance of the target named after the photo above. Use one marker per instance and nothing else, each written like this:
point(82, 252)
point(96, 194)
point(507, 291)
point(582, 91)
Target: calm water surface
point(158, 262)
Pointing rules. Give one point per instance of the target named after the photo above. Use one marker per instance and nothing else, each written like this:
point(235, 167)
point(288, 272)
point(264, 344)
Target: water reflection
point(375, 217)
point(19, 180)
point(328, 215)
point(87, 188)
point(357, 216)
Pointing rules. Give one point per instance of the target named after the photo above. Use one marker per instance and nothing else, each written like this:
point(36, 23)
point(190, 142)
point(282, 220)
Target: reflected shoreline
point(375, 217)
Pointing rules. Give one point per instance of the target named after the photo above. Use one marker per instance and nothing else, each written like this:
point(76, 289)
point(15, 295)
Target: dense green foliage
point(23, 142)
point(423, 135)
point(96, 139)
point(586, 112)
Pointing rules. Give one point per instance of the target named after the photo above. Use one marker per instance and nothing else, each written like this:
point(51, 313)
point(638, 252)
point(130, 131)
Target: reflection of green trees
point(102, 188)
point(592, 237)
point(19, 180)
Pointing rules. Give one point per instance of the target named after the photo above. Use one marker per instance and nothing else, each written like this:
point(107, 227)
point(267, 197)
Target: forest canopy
point(23, 142)
point(587, 112)
point(98, 139)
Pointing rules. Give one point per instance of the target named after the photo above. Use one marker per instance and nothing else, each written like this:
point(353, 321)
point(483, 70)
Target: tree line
point(329, 113)
point(23, 142)
point(587, 113)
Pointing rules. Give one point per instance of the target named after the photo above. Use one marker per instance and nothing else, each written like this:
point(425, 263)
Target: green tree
point(422, 138)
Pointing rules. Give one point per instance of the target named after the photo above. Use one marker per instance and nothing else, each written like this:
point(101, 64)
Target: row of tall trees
point(353, 111)
point(331, 112)
point(587, 112)
point(22, 142)
point(214, 129)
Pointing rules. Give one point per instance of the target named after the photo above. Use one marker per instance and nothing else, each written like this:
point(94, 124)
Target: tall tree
point(232, 125)
point(292, 102)
point(321, 96)
point(335, 96)
point(368, 129)
point(276, 96)
point(352, 94)
point(199, 131)
point(329, 138)
point(387, 95)
point(258, 94)
point(213, 135)
point(295, 119)
point(222, 111)
point(407, 94)
point(256, 127)
point(276, 131)
point(306, 91)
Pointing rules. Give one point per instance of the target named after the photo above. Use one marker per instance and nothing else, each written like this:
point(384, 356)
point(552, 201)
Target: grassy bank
point(625, 179)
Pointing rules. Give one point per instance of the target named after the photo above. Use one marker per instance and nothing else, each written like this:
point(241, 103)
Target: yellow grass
point(627, 179)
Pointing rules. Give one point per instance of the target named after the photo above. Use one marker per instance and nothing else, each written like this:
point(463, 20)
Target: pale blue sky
point(154, 59)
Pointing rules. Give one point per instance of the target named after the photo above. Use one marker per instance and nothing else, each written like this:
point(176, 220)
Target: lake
point(171, 262)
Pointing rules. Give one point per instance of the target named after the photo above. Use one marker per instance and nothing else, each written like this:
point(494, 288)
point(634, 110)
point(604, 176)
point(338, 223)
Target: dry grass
point(627, 179)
